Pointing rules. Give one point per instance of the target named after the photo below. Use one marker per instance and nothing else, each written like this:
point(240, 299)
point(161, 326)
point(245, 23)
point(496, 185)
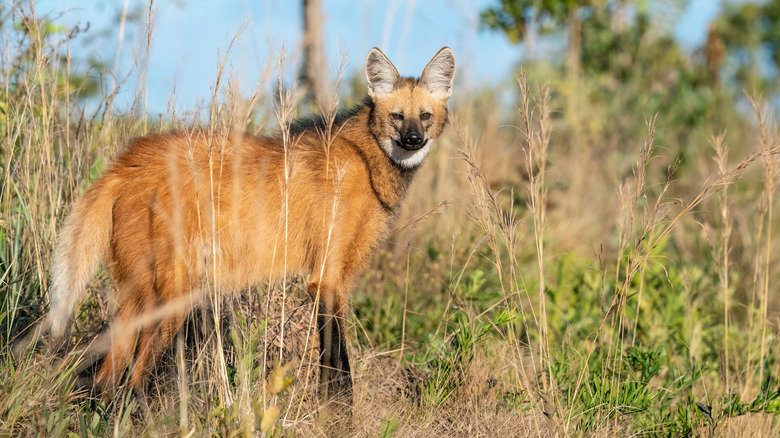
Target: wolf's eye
point(397, 116)
point(425, 116)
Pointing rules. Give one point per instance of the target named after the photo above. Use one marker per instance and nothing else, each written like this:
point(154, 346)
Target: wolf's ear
point(439, 74)
point(380, 73)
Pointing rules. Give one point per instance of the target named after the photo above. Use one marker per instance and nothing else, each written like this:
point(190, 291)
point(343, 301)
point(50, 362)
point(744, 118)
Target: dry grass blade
point(487, 312)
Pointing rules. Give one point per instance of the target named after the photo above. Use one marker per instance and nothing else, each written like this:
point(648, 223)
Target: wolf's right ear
point(438, 75)
point(381, 74)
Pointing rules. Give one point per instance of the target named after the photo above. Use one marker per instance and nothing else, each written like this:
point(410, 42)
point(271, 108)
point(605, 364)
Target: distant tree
point(714, 54)
point(314, 72)
point(520, 19)
point(751, 35)
point(623, 60)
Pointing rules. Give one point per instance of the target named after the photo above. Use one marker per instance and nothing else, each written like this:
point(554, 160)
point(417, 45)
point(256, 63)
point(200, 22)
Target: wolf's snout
point(413, 138)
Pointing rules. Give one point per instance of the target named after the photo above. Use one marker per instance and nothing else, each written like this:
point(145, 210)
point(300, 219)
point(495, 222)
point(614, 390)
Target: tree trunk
point(314, 72)
point(573, 74)
point(529, 36)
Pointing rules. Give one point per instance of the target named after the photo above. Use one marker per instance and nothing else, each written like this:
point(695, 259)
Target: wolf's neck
point(389, 181)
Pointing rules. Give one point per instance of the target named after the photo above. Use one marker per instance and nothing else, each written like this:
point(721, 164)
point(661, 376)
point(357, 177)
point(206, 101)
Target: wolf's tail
point(84, 242)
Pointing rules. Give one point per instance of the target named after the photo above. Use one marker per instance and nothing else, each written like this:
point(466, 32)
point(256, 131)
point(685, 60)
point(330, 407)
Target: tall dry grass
point(466, 323)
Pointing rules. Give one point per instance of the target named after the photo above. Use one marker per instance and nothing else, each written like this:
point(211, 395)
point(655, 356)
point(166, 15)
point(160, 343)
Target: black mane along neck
point(318, 122)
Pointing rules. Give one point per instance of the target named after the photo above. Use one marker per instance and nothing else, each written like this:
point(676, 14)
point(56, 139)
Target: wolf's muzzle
point(412, 141)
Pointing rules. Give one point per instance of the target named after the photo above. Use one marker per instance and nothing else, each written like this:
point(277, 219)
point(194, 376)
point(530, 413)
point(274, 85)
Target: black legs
point(335, 376)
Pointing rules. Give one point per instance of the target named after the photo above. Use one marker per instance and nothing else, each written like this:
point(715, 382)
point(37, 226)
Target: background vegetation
point(589, 249)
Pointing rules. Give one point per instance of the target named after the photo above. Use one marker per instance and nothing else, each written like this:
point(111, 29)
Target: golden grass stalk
point(215, 153)
point(498, 224)
point(721, 159)
point(328, 111)
point(769, 141)
point(537, 134)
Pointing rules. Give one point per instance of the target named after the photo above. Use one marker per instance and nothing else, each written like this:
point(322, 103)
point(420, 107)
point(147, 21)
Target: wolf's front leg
point(336, 377)
point(335, 373)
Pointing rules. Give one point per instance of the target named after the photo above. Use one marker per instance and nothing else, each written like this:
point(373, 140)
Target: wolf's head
point(409, 113)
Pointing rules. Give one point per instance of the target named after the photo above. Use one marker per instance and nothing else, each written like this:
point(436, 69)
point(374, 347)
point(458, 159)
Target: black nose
point(413, 138)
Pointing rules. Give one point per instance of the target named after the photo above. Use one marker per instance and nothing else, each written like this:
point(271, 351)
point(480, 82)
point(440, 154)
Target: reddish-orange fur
point(238, 210)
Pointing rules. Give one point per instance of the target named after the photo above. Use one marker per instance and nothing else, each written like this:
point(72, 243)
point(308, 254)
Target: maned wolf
point(238, 210)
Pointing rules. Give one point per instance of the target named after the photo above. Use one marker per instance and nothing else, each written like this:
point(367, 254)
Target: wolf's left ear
point(439, 74)
point(381, 74)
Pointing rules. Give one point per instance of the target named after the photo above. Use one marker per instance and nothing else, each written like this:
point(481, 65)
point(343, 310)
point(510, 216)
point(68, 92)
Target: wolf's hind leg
point(123, 342)
point(153, 342)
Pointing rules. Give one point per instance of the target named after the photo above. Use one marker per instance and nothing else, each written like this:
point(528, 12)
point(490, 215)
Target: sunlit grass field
point(593, 259)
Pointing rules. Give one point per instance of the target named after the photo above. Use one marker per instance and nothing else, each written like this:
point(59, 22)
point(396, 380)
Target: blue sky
point(189, 35)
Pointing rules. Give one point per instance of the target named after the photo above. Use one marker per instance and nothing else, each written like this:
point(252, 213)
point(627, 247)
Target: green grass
point(572, 288)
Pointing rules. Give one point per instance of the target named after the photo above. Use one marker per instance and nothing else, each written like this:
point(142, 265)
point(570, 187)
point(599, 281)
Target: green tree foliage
point(624, 63)
point(516, 17)
point(750, 33)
